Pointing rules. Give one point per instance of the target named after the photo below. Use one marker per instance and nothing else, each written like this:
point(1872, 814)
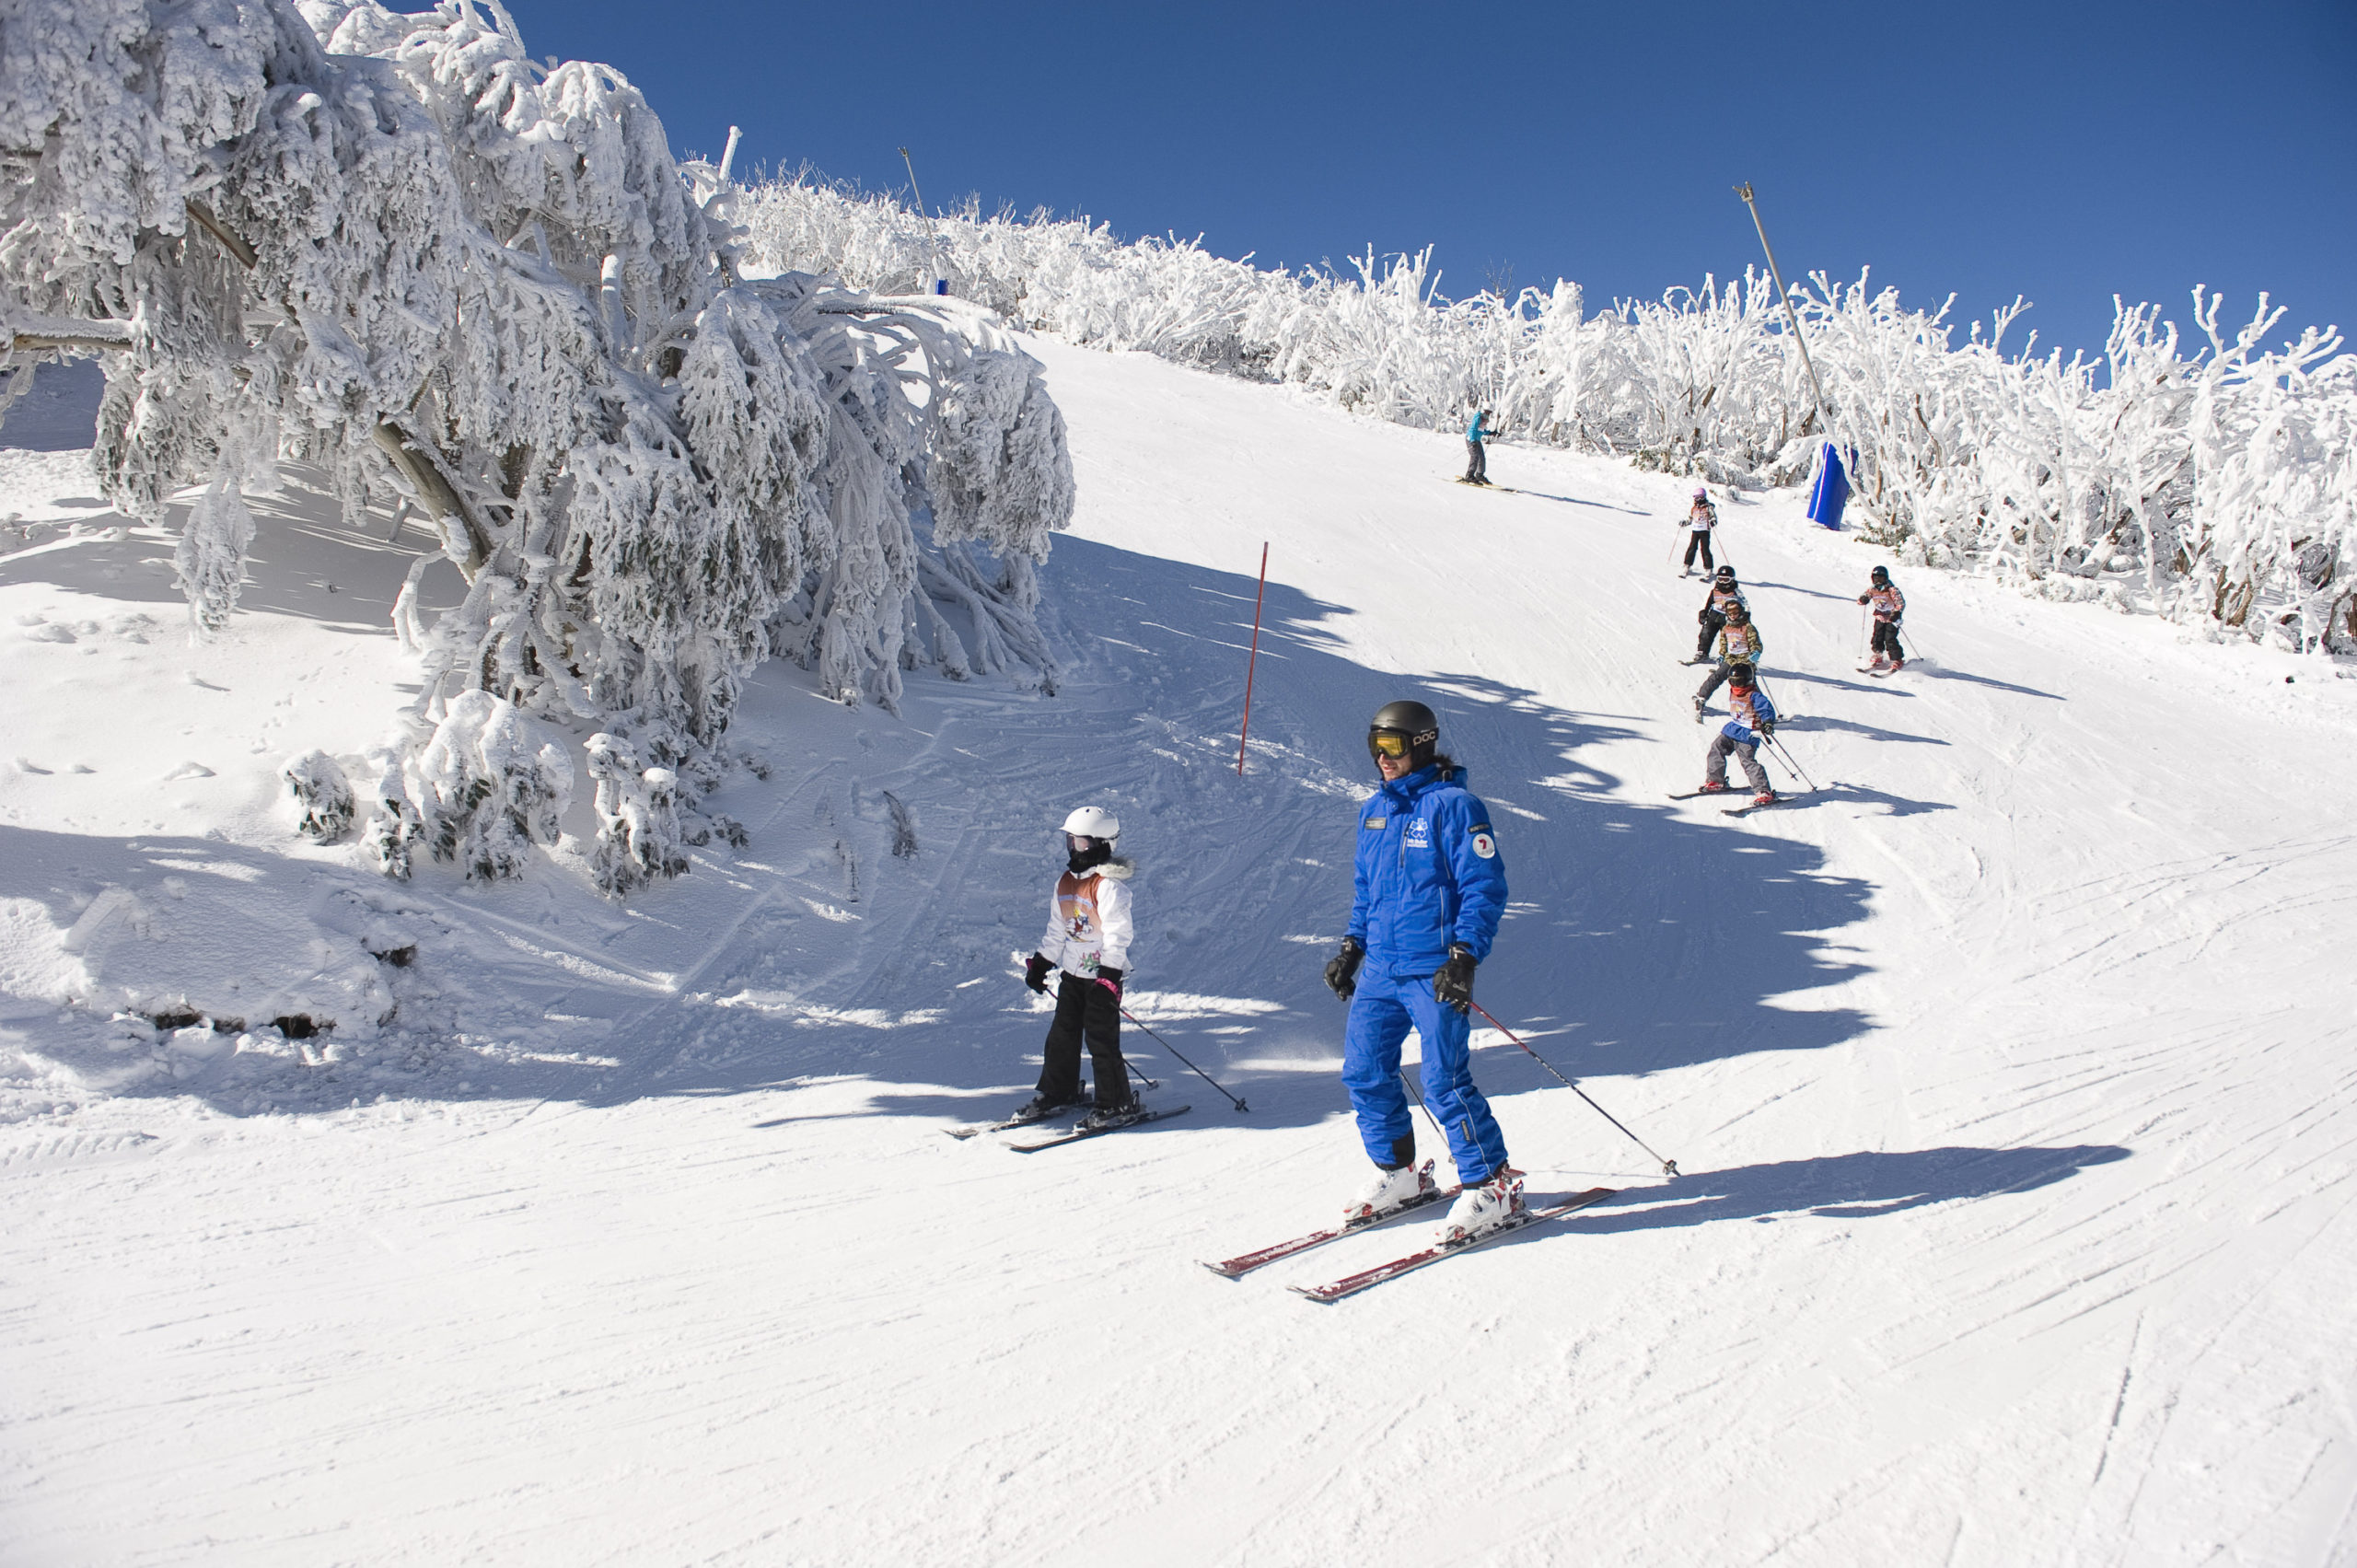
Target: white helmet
point(1094, 822)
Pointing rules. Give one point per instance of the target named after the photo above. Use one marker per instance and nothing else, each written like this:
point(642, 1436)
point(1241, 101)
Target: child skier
point(1751, 722)
point(1700, 518)
point(1088, 944)
point(1713, 616)
point(1739, 642)
point(1890, 604)
point(1477, 460)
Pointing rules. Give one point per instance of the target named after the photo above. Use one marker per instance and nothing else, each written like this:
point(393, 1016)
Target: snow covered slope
point(2010, 1072)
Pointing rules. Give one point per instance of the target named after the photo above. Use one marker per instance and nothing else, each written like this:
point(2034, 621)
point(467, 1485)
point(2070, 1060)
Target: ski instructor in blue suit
point(1431, 888)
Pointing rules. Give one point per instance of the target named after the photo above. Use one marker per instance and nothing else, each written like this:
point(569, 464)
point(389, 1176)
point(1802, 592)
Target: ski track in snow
point(2011, 1080)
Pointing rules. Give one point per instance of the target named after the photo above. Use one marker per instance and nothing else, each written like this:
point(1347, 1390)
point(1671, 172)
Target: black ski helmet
point(1742, 673)
point(1412, 722)
point(1880, 574)
point(1726, 574)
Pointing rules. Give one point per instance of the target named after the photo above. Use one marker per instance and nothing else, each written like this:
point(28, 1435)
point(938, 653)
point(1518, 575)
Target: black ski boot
point(1039, 1107)
point(1106, 1116)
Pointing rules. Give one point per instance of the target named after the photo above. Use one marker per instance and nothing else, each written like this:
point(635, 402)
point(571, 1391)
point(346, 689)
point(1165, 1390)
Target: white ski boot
point(1388, 1193)
point(1480, 1210)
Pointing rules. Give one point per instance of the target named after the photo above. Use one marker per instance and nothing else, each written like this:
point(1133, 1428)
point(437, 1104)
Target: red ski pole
point(1251, 663)
point(1668, 1168)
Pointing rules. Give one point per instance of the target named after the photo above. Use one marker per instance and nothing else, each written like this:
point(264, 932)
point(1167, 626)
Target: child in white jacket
point(1087, 946)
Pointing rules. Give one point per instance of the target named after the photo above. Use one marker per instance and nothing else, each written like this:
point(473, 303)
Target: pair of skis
point(1744, 811)
point(1367, 1279)
point(1072, 1134)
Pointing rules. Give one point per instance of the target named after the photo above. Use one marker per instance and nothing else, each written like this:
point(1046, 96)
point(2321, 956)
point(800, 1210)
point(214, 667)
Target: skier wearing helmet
point(1713, 616)
point(1700, 518)
point(1477, 458)
point(1430, 888)
point(1889, 605)
point(1739, 642)
point(1087, 946)
point(1752, 723)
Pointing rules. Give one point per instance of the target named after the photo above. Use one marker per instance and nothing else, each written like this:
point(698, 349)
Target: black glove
point(1862, 599)
point(1703, 616)
point(1453, 987)
point(1767, 729)
point(1036, 970)
point(1110, 978)
point(1342, 968)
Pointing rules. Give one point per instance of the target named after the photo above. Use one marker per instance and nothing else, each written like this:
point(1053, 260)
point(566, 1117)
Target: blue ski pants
point(1384, 1007)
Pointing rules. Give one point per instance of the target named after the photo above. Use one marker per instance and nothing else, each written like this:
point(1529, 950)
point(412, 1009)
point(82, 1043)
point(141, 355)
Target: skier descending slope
point(1700, 520)
point(1714, 615)
point(1739, 642)
point(1430, 890)
point(1089, 925)
point(1476, 459)
point(1889, 605)
point(1751, 722)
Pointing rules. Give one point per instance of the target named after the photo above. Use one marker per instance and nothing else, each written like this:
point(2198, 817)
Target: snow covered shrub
point(322, 795)
point(2214, 489)
point(489, 784)
point(401, 247)
point(638, 818)
point(394, 824)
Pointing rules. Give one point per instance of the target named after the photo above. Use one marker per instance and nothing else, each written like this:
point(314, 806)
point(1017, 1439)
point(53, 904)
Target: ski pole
point(1175, 1051)
point(1785, 752)
point(1417, 1095)
point(1141, 1077)
point(1777, 741)
point(1668, 1168)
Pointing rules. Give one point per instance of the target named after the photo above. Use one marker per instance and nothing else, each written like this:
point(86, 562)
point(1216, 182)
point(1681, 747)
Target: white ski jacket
point(1088, 921)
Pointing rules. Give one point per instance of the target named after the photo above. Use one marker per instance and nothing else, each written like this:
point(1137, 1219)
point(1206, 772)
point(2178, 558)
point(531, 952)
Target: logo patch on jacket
point(1420, 833)
point(1485, 845)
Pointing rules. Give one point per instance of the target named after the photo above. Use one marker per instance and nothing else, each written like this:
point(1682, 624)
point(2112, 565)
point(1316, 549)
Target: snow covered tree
point(401, 247)
point(2215, 489)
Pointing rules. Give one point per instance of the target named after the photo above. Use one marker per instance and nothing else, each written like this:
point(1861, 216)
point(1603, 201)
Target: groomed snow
point(2010, 1073)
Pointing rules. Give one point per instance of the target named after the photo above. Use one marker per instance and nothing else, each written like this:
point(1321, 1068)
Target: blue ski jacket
point(1428, 873)
point(1474, 431)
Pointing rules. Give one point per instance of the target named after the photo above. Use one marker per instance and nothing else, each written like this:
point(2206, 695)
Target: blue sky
point(2063, 151)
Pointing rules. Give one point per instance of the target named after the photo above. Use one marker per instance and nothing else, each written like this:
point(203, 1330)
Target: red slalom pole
point(1249, 664)
point(1668, 1168)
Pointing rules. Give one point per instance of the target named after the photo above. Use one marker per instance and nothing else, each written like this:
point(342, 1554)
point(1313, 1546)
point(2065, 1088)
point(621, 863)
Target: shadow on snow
point(1637, 940)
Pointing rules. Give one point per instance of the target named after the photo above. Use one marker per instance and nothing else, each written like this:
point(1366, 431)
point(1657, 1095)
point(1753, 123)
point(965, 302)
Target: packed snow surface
point(2009, 1071)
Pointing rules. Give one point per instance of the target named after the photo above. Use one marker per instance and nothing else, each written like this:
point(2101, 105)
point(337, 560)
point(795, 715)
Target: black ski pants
point(1085, 1008)
point(1712, 624)
point(1885, 641)
point(1476, 462)
point(1699, 538)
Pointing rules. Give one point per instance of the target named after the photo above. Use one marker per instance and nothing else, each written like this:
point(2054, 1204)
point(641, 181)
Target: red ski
point(1238, 1267)
point(1369, 1278)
